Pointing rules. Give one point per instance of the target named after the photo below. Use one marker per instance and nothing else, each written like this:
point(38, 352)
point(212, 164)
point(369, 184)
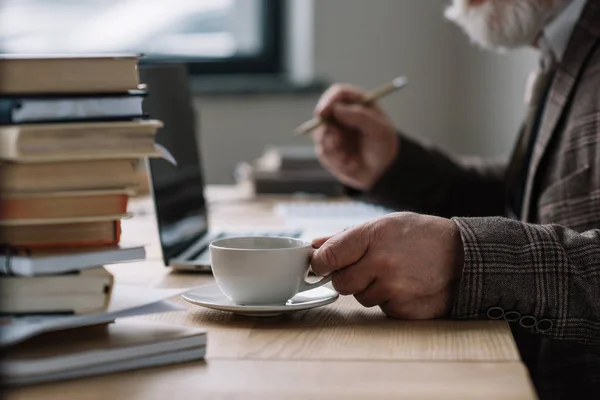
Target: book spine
point(6, 111)
point(8, 252)
point(100, 242)
point(82, 95)
point(137, 117)
point(108, 290)
point(117, 232)
point(23, 208)
point(105, 242)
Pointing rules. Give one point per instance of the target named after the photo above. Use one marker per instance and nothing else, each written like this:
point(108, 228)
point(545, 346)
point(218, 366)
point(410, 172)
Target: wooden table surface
point(342, 350)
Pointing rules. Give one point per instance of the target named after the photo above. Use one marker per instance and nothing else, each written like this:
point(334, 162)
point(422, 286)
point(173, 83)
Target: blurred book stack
point(286, 170)
point(72, 135)
point(99, 349)
point(52, 347)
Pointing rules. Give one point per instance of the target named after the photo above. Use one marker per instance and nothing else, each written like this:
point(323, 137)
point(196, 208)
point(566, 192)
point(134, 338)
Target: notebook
point(47, 261)
point(123, 345)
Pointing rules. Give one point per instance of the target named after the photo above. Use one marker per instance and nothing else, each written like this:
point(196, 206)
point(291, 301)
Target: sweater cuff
point(467, 300)
point(506, 273)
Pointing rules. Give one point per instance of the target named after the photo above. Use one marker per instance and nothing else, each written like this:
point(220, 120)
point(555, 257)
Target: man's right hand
point(357, 143)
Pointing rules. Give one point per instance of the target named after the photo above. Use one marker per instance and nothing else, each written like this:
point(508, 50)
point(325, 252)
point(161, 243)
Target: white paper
point(165, 154)
point(126, 301)
point(330, 211)
point(318, 219)
point(56, 109)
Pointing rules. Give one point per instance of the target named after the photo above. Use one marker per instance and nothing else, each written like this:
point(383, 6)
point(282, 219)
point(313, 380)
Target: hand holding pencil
point(354, 138)
point(370, 97)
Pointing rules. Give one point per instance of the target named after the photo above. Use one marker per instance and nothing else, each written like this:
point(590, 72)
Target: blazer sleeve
point(427, 180)
point(545, 278)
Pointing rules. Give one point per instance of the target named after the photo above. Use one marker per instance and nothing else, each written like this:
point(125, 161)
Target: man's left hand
point(407, 264)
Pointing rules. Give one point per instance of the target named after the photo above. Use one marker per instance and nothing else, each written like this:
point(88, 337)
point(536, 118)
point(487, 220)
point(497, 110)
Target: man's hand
point(358, 143)
point(405, 263)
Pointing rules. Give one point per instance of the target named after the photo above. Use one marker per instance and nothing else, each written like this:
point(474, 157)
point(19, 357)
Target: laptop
point(180, 206)
point(178, 191)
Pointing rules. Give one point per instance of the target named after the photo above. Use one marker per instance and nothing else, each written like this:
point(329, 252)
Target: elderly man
point(519, 242)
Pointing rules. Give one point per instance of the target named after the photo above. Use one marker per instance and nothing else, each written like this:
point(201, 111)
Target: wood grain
point(343, 330)
point(306, 380)
point(342, 350)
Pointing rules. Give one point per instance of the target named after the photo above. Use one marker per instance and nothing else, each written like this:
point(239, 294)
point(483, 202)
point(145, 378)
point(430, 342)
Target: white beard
point(504, 24)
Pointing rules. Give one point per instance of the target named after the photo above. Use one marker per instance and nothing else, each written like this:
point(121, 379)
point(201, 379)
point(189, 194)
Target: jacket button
point(544, 325)
point(512, 316)
point(528, 321)
point(495, 313)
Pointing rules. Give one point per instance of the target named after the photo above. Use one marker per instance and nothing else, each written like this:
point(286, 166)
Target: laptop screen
point(178, 190)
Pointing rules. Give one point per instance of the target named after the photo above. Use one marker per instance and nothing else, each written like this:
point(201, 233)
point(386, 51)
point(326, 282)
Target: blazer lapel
point(584, 37)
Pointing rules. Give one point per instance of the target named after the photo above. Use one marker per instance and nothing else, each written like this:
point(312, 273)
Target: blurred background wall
point(488, 104)
point(466, 99)
point(459, 96)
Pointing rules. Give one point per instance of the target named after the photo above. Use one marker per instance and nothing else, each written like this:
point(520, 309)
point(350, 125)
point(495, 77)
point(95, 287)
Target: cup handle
point(304, 286)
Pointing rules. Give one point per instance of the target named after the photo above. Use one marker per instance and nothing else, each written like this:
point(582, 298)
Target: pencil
point(372, 96)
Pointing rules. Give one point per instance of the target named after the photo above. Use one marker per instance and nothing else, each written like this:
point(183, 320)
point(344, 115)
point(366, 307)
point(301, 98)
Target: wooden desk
point(338, 351)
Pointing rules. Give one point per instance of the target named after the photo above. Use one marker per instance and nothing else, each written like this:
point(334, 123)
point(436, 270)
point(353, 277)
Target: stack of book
point(72, 132)
point(46, 348)
point(99, 349)
point(286, 170)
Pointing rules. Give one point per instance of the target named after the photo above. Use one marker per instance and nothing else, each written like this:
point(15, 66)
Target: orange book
point(76, 204)
point(85, 233)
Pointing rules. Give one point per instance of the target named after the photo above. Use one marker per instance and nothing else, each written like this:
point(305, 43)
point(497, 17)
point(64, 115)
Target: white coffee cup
point(262, 270)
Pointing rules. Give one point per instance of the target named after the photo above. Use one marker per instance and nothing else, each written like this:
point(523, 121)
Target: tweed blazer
point(540, 271)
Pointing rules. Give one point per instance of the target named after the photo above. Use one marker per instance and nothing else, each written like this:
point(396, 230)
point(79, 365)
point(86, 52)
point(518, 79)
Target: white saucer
point(211, 296)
